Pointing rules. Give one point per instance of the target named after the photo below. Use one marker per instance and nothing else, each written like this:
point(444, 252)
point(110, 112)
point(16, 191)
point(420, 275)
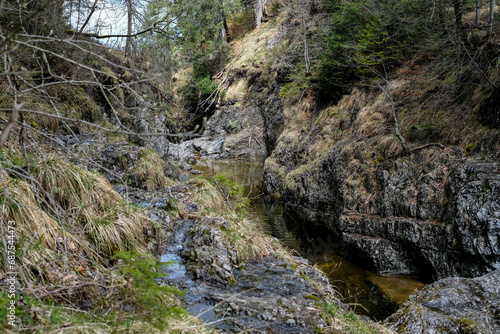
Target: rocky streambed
point(276, 293)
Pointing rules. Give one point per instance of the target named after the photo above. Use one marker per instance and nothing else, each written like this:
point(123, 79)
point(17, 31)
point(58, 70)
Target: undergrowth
point(82, 253)
point(135, 303)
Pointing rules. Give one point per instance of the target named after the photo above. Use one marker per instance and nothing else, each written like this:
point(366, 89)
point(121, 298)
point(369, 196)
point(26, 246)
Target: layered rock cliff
point(433, 214)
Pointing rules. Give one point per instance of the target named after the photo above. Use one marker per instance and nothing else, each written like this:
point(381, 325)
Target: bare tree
point(458, 10)
point(128, 43)
point(478, 12)
point(259, 8)
point(489, 30)
point(89, 16)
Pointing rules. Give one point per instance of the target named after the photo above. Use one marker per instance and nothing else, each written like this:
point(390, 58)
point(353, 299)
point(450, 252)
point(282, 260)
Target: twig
point(119, 318)
point(477, 66)
point(54, 292)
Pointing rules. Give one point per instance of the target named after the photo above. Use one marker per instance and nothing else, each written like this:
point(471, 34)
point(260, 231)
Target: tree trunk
point(489, 31)
point(440, 14)
point(306, 47)
point(258, 13)
point(458, 6)
point(478, 12)
point(128, 43)
point(225, 29)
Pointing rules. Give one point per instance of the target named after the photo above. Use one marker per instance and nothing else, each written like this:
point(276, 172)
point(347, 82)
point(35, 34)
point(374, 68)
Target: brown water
point(368, 293)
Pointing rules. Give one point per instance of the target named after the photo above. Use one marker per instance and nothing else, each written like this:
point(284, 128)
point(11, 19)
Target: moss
point(378, 161)
point(312, 297)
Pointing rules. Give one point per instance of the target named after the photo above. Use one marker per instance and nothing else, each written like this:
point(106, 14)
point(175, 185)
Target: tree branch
point(92, 10)
point(124, 132)
point(87, 34)
point(10, 124)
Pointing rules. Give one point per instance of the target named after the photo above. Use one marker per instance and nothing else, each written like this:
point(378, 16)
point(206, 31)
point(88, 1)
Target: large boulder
point(453, 305)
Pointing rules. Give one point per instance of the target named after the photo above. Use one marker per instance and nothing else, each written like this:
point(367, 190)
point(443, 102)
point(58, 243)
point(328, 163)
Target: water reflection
point(368, 293)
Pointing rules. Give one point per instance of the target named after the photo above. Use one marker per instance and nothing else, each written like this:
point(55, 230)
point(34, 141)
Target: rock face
point(453, 305)
point(233, 132)
point(435, 214)
point(442, 223)
point(271, 109)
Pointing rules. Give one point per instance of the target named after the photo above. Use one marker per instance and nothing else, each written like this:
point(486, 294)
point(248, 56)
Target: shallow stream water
point(368, 294)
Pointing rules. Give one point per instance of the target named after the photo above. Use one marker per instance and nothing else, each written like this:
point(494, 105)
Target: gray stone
point(453, 305)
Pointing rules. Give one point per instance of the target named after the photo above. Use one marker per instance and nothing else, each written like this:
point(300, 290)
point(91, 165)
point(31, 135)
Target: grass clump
point(149, 172)
point(43, 244)
point(92, 204)
point(232, 192)
point(206, 195)
point(223, 197)
point(67, 218)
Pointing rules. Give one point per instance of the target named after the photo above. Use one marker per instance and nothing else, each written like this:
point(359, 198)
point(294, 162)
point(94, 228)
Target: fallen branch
point(426, 145)
point(10, 124)
point(97, 36)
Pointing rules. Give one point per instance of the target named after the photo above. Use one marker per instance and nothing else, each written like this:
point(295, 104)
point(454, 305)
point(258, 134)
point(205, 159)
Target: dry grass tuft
point(207, 196)
point(45, 244)
point(66, 217)
point(91, 201)
point(150, 171)
point(249, 242)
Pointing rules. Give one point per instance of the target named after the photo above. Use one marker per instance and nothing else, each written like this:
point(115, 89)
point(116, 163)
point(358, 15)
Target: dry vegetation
point(72, 214)
point(242, 235)
point(149, 171)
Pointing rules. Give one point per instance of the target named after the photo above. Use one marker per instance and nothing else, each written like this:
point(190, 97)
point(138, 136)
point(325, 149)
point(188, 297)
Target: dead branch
point(10, 124)
point(427, 145)
point(65, 288)
point(388, 94)
point(92, 10)
point(117, 131)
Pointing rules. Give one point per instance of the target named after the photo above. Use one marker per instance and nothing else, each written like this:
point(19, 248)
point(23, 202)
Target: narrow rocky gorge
point(373, 124)
point(432, 215)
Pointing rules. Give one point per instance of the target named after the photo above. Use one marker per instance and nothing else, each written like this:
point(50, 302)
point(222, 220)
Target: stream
point(368, 293)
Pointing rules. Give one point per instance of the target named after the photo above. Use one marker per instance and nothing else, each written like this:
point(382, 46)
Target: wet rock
point(271, 108)
point(247, 144)
point(267, 295)
point(453, 305)
point(205, 251)
point(185, 166)
point(434, 220)
point(182, 152)
point(242, 128)
point(209, 147)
